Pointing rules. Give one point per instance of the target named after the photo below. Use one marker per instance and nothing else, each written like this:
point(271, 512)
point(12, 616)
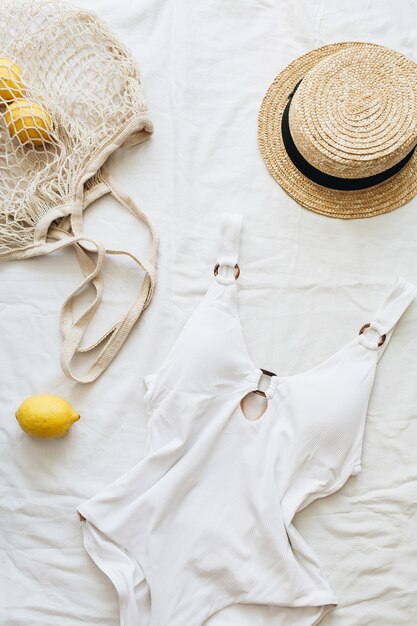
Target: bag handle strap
point(73, 331)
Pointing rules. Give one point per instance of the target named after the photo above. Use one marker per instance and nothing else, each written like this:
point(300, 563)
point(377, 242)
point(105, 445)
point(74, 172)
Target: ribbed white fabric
point(204, 521)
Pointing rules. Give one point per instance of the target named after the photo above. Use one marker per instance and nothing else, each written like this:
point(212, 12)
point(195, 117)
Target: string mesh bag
point(70, 95)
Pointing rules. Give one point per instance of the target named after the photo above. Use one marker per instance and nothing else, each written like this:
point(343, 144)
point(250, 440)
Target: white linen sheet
point(307, 284)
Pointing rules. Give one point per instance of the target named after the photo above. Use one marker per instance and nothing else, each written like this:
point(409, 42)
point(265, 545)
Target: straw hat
point(338, 127)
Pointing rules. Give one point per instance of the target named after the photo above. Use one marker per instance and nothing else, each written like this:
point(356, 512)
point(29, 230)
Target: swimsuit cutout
point(203, 523)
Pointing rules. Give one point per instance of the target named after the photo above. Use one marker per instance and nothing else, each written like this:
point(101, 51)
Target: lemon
point(28, 121)
point(11, 86)
point(46, 416)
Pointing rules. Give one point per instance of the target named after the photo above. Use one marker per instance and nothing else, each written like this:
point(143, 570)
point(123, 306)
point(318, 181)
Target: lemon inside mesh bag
point(11, 85)
point(28, 121)
point(70, 95)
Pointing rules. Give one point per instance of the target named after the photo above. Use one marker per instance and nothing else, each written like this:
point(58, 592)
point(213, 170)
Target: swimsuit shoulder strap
point(227, 269)
point(387, 315)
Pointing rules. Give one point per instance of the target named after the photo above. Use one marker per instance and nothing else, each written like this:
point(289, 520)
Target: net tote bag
point(70, 95)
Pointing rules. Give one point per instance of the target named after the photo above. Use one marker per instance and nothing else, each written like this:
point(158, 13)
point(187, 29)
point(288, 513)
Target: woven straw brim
point(381, 198)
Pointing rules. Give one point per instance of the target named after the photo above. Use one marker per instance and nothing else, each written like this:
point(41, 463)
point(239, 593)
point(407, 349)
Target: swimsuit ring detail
point(236, 268)
point(382, 339)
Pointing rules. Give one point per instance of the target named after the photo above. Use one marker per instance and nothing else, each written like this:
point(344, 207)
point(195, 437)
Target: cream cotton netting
point(76, 96)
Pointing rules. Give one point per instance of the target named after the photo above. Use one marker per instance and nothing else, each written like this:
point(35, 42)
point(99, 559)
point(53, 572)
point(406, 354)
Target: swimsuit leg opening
point(124, 572)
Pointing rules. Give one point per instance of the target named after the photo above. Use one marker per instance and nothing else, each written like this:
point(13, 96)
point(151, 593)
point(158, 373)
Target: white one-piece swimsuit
point(203, 525)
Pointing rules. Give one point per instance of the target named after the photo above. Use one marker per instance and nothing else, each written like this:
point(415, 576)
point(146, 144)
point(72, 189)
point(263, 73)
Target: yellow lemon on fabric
point(28, 121)
point(11, 86)
point(46, 416)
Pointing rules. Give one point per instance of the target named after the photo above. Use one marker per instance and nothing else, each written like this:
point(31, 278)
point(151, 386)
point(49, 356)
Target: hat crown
point(354, 113)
